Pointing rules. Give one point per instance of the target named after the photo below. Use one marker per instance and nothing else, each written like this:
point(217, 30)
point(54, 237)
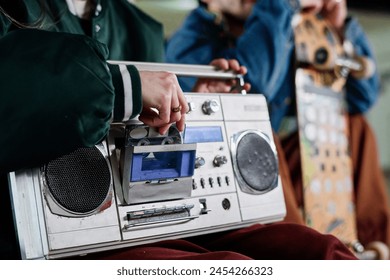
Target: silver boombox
point(139, 187)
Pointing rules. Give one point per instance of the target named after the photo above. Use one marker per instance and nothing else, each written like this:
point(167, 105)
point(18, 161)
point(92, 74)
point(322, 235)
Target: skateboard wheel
point(368, 68)
point(381, 249)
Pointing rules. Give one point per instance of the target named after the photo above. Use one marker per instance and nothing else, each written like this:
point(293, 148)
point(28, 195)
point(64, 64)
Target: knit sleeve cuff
point(128, 99)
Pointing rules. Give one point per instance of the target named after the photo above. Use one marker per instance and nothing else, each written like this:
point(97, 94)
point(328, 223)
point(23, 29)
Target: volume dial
point(210, 107)
point(199, 162)
point(219, 160)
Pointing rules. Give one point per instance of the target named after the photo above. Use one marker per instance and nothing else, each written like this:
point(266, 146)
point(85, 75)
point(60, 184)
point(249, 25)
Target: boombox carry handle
point(187, 70)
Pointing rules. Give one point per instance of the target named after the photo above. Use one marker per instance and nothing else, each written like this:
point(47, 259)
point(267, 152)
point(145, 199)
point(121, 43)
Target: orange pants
point(372, 205)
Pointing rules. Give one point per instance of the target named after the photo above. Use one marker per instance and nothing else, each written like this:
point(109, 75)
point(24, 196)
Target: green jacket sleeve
point(57, 94)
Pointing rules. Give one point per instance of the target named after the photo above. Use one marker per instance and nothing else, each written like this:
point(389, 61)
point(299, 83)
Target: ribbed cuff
point(128, 99)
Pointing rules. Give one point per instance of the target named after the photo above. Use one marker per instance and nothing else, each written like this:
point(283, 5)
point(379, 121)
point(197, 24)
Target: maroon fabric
point(372, 205)
point(280, 241)
point(293, 212)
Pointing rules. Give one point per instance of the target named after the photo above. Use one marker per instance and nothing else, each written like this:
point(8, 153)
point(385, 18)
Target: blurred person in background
point(259, 34)
point(59, 93)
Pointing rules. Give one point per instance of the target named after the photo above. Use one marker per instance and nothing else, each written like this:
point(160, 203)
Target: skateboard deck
point(323, 131)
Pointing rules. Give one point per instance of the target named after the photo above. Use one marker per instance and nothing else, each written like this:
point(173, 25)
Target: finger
point(164, 129)
point(247, 86)
point(220, 63)
point(312, 6)
point(151, 118)
point(169, 100)
point(332, 5)
point(181, 123)
point(243, 70)
point(183, 102)
point(179, 104)
point(238, 89)
point(234, 65)
point(175, 105)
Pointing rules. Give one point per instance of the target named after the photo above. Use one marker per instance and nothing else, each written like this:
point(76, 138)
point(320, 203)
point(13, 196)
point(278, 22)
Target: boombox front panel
point(217, 200)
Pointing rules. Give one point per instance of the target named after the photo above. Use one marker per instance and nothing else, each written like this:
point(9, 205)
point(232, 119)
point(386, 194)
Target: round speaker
point(78, 183)
point(255, 162)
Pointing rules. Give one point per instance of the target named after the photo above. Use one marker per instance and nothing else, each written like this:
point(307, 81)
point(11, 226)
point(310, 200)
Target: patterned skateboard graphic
point(323, 131)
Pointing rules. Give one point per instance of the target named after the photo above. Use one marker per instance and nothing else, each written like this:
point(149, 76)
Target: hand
point(238, 9)
point(312, 6)
point(335, 12)
point(215, 85)
point(161, 94)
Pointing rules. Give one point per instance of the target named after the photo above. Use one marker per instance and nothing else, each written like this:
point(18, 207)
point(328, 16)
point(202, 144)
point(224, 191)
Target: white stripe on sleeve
point(128, 93)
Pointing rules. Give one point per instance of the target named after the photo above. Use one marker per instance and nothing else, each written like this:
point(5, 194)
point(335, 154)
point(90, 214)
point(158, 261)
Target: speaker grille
point(79, 181)
point(257, 162)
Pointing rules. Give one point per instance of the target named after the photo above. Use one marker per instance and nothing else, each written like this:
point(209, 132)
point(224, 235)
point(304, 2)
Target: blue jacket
point(266, 48)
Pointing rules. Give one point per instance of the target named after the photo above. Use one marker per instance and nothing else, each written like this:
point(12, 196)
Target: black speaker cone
point(256, 162)
point(79, 181)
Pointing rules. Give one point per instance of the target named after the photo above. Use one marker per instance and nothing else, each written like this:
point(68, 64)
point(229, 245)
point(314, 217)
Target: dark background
point(372, 5)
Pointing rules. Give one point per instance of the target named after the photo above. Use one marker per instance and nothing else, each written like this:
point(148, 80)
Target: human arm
point(362, 92)
point(197, 41)
point(265, 49)
point(201, 39)
point(56, 98)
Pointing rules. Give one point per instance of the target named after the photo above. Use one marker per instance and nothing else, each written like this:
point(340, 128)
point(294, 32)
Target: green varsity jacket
point(57, 91)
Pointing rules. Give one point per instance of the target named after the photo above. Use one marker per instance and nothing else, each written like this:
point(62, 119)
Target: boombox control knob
point(219, 160)
point(199, 161)
point(210, 107)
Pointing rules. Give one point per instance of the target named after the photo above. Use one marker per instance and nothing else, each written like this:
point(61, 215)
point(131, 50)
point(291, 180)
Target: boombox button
point(162, 181)
point(169, 209)
point(180, 208)
point(199, 161)
point(194, 185)
point(135, 214)
point(219, 160)
point(189, 206)
point(219, 181)
point(160, 210)
point(202, 183)
point(149, 212)
point(191, 107)
point(211, 181)
point(203, 206)
point(226, 204)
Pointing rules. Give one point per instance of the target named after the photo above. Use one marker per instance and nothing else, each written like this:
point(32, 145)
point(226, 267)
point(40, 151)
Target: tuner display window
point(202, 134)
